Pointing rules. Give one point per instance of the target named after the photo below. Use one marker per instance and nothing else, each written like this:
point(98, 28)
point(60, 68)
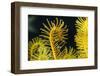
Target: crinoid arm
point(81, 38)
point(55, 32)
point(38, 50)
point(70, 54)
point(67, 54)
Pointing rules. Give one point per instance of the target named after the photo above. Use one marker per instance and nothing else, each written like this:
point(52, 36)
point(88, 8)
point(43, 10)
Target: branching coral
point(81, 38)
point(38, 50)
point(55, 34)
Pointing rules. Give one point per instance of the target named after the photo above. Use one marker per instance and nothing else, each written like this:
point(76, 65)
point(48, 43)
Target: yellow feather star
point(56, 34)
point(38, 50)
point(81, 38)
